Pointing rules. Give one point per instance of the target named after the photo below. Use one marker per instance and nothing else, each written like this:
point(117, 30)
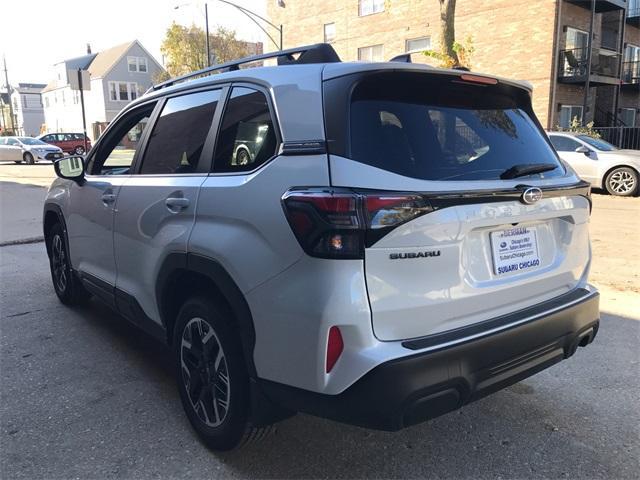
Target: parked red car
point(68, 142)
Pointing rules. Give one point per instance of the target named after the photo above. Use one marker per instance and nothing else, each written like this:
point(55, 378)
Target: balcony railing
point(631, 72)
point(574, 63)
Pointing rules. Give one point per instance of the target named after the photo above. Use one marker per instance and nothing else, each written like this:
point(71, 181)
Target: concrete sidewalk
point(20, 213)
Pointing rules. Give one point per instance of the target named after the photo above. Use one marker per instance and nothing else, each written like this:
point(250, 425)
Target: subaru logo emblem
point(531, 195)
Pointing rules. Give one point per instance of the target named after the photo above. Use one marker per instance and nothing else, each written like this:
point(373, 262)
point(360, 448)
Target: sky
point(36, 34)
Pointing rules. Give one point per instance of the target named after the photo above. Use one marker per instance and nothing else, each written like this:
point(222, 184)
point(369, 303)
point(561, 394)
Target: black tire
point(28, 158)
point(79, 150)
point(209, 363)
point(65, 283)
point(622, 181)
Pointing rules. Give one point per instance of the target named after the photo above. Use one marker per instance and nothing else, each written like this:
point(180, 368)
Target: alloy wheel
point(205, 373)
point(59, 263)
point(622, 182)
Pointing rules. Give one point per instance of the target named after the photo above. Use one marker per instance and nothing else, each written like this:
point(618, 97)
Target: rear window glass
point(431, 128)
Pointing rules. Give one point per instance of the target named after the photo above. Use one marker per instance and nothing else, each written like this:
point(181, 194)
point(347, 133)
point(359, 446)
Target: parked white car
point(28, 150)
point(599, 163)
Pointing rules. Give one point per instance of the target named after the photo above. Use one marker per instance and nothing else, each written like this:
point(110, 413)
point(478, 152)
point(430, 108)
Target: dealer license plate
point(515, 250)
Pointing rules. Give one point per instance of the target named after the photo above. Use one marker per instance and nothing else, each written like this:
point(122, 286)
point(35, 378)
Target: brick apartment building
point(544, 41)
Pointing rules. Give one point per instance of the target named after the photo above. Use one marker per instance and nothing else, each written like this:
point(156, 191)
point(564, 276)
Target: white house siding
point(28, 111)
point(63, 112)
point(121, 73)
point(99, 108)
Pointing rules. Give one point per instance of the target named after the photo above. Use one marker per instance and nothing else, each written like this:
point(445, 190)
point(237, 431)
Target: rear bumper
point(425, 385)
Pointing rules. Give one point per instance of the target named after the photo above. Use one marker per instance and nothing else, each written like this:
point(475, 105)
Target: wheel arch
point(611, 169)
point(183, 274)
point(52, 214)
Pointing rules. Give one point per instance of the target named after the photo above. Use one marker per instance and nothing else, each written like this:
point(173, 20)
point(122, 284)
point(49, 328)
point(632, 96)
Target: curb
point(22, 241)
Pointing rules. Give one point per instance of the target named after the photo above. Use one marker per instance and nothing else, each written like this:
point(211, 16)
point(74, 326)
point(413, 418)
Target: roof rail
point(317, 53)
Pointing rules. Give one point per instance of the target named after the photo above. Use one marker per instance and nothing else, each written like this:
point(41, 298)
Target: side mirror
point(70, 168)
point(583, 149)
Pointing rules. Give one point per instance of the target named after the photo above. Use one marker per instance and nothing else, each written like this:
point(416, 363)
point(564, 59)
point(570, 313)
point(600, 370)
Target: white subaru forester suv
point(401, 241)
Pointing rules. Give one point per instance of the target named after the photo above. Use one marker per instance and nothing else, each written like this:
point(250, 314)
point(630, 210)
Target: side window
point(12, 141)
point(3, 141)
point(563, 144)
point(247, 138)
point(177, 139)
point(46, 138)
point(115, 153)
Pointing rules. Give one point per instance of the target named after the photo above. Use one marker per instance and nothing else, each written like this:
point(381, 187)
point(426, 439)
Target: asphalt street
point(85, 395)
point(20, 212)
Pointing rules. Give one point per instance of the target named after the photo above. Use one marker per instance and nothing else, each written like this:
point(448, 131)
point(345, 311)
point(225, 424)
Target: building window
point(329, 32)
point(123, 91)
point(628, 116)
point(373, 53)
point(417, 44)
point(368, 7)
point(568, 113)
point(46, 102)
point(631, 64)
point(137, 64)
point(576, 47)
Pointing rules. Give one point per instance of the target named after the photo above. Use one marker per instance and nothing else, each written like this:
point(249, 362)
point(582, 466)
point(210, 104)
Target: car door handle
point(108, 198)
point(176, 203)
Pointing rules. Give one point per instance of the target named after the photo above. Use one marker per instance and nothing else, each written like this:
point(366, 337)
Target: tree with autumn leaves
point(184, 49)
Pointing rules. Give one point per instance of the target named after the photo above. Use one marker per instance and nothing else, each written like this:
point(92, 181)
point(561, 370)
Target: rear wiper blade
point(527, 169)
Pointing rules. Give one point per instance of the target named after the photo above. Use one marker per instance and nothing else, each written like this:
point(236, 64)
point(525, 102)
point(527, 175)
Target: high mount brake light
point(478, 79)
point(340, 224)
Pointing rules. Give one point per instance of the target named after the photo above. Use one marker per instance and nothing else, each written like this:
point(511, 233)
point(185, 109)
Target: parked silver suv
point(401, 241)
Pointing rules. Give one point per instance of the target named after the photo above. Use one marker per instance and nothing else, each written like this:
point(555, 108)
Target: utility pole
point(84, 121)
point(6, 79)
point(206, 29)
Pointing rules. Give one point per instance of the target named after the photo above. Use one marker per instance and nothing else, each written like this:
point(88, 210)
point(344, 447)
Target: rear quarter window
point(436, 127)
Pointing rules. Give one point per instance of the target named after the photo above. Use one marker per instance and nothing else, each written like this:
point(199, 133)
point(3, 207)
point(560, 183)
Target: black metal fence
point(621, 137)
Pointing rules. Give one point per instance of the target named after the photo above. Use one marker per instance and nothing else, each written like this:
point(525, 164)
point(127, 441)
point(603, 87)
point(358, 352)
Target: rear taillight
point(334, 223)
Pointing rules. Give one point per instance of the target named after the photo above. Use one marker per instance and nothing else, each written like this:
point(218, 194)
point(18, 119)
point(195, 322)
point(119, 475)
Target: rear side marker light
point(340, 224)
point(335, 346)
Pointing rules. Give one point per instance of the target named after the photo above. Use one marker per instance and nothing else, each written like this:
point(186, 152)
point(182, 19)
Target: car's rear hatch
point(467, 238)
